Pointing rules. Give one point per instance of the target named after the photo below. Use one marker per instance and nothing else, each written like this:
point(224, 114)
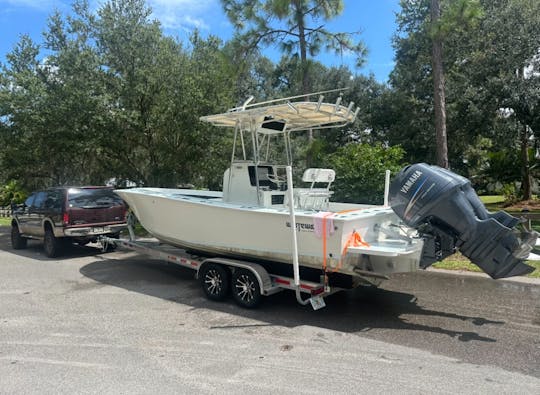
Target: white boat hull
point(201, 221)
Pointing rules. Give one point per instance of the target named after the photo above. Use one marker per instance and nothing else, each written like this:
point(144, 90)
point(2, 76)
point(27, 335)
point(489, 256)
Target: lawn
point(5, 221)
point(459, 262)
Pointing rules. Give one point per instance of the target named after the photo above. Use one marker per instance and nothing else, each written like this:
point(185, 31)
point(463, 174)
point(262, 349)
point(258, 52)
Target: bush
point(360, 170)
point(12, 192)
point(510, 193)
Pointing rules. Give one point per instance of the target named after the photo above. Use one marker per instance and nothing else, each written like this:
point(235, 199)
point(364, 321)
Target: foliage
point(108, 95)
point(509, 192)
point(360, 171)
point(295, 25)
point(12, 192)
point(114, 98)
point(483, 62)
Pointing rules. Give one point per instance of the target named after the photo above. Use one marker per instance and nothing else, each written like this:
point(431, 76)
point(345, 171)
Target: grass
point(492, 199)
point(493, 202)
point(459, 262)
point(139, 231)
point(5, 221)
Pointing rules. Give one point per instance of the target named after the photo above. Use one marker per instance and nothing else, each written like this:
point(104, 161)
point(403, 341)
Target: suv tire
point(51, 244)
point(17, 241)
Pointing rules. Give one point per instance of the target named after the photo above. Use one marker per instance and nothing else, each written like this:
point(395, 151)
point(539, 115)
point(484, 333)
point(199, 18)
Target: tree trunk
point(526, 180)
point(306, 86)
point(438, 90)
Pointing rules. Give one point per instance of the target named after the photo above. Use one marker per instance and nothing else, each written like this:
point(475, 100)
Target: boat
point(261, 216)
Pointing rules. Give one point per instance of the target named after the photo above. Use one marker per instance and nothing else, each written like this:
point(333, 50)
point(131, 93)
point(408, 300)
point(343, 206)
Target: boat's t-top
point(262, 149)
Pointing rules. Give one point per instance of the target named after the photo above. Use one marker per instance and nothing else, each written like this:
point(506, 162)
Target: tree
point(156, 91)
point(424, 27)
point(22, 99)
point(113, 98)
point(459, 13)
point(360, 171)
point(438, 89)
point(492, 91)
point(504, 65)
point(295, 25)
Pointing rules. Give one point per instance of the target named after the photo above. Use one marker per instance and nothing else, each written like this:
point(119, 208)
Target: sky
point(375, 19)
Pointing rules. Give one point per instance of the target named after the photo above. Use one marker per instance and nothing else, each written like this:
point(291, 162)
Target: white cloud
point(182, 14)
point(173, 14)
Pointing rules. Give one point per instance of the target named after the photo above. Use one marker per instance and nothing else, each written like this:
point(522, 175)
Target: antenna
point(321, 98)
point(351, 104)
point(249, 99)
point(338, 102)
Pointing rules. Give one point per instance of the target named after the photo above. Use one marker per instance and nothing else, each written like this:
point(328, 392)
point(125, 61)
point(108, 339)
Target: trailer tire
point(245, 288)
point(214, 280)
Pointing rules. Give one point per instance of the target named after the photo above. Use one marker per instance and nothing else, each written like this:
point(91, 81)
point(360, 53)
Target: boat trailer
point(441, 205)
point(247, 281)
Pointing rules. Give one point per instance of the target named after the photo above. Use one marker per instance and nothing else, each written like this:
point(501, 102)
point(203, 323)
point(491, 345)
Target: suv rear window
point(92, 198)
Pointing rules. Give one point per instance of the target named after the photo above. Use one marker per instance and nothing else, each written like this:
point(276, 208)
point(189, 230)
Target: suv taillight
point(65, 219)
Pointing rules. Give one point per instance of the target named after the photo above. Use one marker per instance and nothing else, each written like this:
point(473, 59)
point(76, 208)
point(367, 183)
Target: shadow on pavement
point(359, 310)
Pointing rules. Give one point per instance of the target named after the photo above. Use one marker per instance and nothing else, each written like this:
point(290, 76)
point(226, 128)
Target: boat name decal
point(410, 182)
point(300, 227)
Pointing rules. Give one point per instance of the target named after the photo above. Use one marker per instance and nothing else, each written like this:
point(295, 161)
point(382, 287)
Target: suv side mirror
point(17, 208)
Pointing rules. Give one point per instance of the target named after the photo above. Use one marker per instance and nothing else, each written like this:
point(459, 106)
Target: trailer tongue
point(449, 216)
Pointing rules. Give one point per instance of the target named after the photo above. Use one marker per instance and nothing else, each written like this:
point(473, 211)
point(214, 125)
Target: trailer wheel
point(245, 288)
point(214, 280)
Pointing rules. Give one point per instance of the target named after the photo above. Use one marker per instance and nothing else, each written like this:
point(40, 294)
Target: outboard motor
point(448, 214)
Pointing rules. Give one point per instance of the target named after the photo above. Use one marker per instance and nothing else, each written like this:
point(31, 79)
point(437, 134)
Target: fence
point(5, 211)
point(530, 218)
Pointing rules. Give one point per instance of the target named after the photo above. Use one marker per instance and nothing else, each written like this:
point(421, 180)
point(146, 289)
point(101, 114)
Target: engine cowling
point(449, 215)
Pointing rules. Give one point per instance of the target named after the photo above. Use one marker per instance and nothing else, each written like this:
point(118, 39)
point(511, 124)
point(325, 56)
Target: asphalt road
point(119, 323)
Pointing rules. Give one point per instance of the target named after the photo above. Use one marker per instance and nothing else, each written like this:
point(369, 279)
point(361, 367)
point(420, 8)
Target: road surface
point(120, 323)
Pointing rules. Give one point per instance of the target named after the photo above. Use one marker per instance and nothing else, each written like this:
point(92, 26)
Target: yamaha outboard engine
point(448, 214)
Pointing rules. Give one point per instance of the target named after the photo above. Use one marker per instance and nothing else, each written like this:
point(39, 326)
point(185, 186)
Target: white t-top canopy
point(296, 116)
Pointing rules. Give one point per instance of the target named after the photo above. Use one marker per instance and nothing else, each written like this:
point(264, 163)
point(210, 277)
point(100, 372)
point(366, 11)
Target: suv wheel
point(51, 244)
point(17, 241)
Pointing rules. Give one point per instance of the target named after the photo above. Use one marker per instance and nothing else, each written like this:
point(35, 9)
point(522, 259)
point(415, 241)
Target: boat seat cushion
point(319, 175)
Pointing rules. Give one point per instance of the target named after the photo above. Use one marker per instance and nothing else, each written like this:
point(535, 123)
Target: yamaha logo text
point(410, 182)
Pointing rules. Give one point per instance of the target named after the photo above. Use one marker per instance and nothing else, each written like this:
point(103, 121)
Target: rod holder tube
point(386, 187)
point(290, 195)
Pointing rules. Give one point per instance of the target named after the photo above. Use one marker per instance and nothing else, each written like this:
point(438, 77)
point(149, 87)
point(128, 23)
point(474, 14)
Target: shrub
point(360, 170)
point(12, 192)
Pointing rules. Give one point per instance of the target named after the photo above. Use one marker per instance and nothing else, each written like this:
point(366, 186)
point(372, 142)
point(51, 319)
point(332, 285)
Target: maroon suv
point(74, 214)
